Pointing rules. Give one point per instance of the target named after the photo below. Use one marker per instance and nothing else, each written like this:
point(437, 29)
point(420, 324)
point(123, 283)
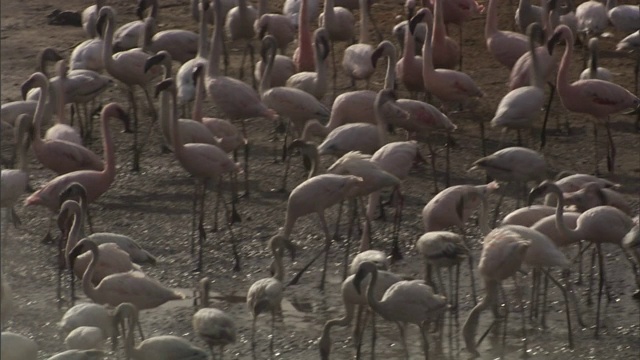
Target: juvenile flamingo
point(597, 98)
point(212, 325)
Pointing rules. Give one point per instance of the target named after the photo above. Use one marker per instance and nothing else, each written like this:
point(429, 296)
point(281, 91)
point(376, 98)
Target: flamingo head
point(540, 190)
point(364, 269)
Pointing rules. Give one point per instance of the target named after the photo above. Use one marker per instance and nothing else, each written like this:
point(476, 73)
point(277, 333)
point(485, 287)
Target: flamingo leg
point(336, 234)
point(357, 331)
point(611, 153)
point(473, 280)
point(433, 167)
point(193, 215)
point(345, 262)
point(543, 321)
point(134, 108)
point(253, 336)
point(460, 42)
point(401, 328)
point(566, 302)
point(543, 131)
point(273, 328)
point(600, 286)
point(595, 148)
point(230, 219)
point(425, 342)
point(327, 245)
point(335, 72)
point(201, 233)
point(397, 222)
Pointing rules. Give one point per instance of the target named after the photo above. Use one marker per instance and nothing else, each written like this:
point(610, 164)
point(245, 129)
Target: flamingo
point(601, 224)
point(593, 194)
point(350, 299)
point(133, 286)
point(442, 249)
point(449, 86)
point(87, 315)
point(315, 195)
point(196, 10)
point(339, 24)
point(520, 107)
point(90, 17)
point(85, 338)
point(212, 325)
point(227, 136)
point(184, 77)
point(446, 53)
point(527, 14)
point(592, 18)
point(115, 260)
point(355, 5)
point(191, 131)
point(205, 162)
point(278, 25)
point(239, 26)
point(594, 71)
point(597, 98)
point(88, 54)
point(236, 100)
point(515, 164)
point(293, 8)
point(356, 60)
point(266, 294)
point(505, 46)
point(314, 82)
point(283, 68)
point(62, 131)
point(128, 68)
point(400, 29)
point(17, 347)
point(165, 347)
point(303, 54)
point(127, 36)
point(95, 182)
point(625, 18)
point(503, 252)
point(409, 67)
point(14, 182)
point(181, 44)
point(404, 302)
point(631, 44)
point(58, 155)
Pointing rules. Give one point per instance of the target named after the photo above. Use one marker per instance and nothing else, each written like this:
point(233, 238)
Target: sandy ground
point(153, 207)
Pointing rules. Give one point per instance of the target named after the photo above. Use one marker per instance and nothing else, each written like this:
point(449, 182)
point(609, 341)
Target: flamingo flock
point(364, 139)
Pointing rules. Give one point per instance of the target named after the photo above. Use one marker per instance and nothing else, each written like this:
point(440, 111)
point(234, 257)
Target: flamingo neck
point(471, 324)
point(439, 31)
point(427, 57)
point(364, 22)
point(593, 63)
point(109, 152)
point(534, 71)
point(165, 115)
point(390, 75)
point(40, 109)
point(74, 234)
point(409, 51)
point(328, 9)
point(276, 250)
point(371, 299)
point(62, 78)
point(263, 7)
point(265, 82)
point(21, 144)
point(563, 70)
point(216, 42)
point(176, 140)
point(381, 122)
point(491, 26)
point(154, 9)
point(87, 286)
point(107, 45)
point(560, 224)
point(197, 106)
point(202, 35)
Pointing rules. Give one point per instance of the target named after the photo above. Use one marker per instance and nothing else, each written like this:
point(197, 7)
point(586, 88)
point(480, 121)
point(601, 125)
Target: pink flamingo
point(62, 131)
point(205, 162)
point(127, 36)
point(278, 25)
point(181, 44)
point(314, 82)
point(505, 46)
point(238, 24)
point(303, 55)
point(236, 100)
point(446, 53)
point(95, 182)
point(409, 67)
point(339, 23)
point(128, 68)
point(315, 195)
point(594, 97)
point(133, 286)
point(58, 155)
point(356, 60)
point(598, 225)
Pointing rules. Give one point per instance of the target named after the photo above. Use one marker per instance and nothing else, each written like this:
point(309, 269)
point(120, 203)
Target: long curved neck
point(197, 106)
point(277, 258)
point(22, 144)
point(109, 151)
point(535, 72)
point(165, 115)
point(471, 325)
point(215, 47)
point(87, 286)
point(178, 146)
point(39, 113)
point(390, 75)
point(74, 234)
point(265, 81)
point(439, 31)
point(593, 63)
point(409, 51)
point(371, 299)
point(325, 339)
point(107, 45)
point(560, 224)
point(328, 9)
point(491, 26)
point(427, 57)
point(364, 22)
point(563, 70)
point(383, 137)
point(202, 36)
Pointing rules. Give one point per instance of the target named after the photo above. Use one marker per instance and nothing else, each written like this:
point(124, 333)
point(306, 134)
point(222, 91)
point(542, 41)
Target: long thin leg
point(373, 335)
point(470, 261)
point(543, 131)
point(600, 286)
point(202, 234)
point(335, 72)
point(496, 211)
point(447, 156)
point(595, 147)
point(425, 342)
point(273, 327)
point(136, 155)
point(401, 327)
point(357, 331)
point(253, 64)
point(336, 234)
point(327, 245)
point(611, 152)
point(566, 302)
point(193, 214)
point(230, 219)
point(352, 217)
point(433, 167)
point(544, 302)
point(253, 336)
